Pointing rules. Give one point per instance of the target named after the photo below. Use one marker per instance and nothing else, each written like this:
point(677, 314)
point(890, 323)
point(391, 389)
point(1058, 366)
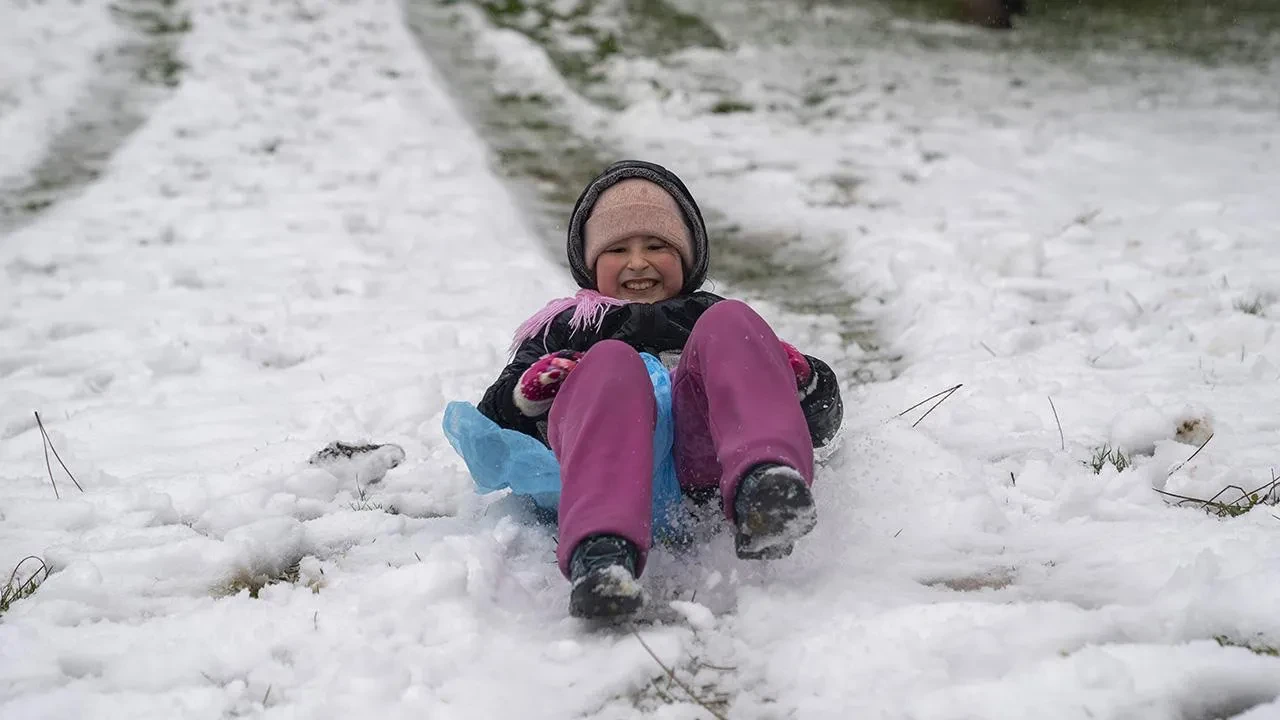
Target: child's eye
point(657, 246)
point(616, 250)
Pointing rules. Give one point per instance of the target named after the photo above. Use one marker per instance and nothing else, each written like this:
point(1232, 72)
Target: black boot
point(603, 573)
point(774, 508)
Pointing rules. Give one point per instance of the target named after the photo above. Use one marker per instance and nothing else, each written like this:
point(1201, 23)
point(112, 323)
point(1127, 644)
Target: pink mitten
point(800, 366)
point(539, 384)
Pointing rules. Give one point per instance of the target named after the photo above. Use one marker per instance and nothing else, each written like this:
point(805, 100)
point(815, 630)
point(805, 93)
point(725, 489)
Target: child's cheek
point(606, 276)
point(673, 273)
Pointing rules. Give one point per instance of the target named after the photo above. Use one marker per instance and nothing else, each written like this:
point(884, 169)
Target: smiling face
point(640, 269)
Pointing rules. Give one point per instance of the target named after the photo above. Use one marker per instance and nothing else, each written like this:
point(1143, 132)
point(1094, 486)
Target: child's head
point(631, 236)
point(637, 243)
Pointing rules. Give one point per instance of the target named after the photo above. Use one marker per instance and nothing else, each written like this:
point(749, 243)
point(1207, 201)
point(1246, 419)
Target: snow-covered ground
point(304, 243)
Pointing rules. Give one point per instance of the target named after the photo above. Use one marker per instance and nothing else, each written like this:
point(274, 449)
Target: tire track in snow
point(132, 79)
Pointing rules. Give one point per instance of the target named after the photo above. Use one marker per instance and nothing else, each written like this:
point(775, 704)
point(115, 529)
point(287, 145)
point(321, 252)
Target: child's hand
point(539, 384)
point(800, 366)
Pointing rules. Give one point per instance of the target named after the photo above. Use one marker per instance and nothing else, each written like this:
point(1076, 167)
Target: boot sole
point(609, 592)
point(780, 512)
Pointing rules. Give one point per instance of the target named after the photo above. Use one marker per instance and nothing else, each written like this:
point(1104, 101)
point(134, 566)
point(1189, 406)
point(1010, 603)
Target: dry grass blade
point(672, 676)
point(15, 590)
point(48, 445)
point(1179, 466)
point(913, 407)
point(1062, 439)
point(44, 442)
point(1266, 494)
point(1207, 505)
point(945, 394)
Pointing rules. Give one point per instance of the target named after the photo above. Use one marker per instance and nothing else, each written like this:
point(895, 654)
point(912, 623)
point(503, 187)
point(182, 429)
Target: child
point(748, 408)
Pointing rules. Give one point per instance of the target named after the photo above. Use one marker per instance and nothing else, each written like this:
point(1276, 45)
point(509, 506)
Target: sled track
point(536, 132)
point(541, 147)
point(132, 79)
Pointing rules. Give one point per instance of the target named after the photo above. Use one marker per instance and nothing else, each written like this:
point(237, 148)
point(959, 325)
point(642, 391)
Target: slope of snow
point(303, 244)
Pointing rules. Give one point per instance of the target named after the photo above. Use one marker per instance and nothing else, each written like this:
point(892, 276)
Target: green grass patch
point(1253, 647)
point(1212, 32)
point(27, 576)
point(1257, 305)
point(255, 580)
point(1107, 455)
point(728, 107)
point(580, 37)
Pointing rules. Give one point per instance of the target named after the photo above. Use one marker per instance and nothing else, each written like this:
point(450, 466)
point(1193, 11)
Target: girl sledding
point(743, 410)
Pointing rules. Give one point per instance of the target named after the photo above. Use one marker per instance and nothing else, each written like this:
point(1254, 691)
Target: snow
point(38, 87)
point(304, 242)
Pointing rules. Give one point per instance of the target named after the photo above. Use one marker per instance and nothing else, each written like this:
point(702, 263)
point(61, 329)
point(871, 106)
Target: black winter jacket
point(660, 329)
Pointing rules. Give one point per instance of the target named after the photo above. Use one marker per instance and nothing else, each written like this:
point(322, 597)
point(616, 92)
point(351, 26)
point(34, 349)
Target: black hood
point(664, 178)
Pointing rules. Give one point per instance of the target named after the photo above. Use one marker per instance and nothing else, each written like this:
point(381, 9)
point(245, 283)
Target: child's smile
point(639, 285)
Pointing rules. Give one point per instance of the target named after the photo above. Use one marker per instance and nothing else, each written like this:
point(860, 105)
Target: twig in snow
point(1087, 217)
point(699, 663)
point(1061, 438)
point(1178, 467)
point(1135, 302)
point(266, 695)
point(1013, 479)
point(984, 347)
point(48, 445)
point(1082, 220)
point(1094, 360)
point(672, 675)
point(945, 394)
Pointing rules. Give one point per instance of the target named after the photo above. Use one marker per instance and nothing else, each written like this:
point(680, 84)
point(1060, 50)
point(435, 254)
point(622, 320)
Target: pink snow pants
point(735, 406)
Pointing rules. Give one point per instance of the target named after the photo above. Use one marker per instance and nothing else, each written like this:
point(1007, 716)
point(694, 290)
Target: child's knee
point(614, 353)
point(614, 361)
point(731, 311)
point(734, 318)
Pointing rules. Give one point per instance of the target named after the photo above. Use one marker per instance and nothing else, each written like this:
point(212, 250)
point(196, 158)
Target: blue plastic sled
point(499, 458)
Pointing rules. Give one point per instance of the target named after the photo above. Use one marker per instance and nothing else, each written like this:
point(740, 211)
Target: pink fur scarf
point(589, 308)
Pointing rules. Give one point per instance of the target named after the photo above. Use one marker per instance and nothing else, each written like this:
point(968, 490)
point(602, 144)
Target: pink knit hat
point(636, 207)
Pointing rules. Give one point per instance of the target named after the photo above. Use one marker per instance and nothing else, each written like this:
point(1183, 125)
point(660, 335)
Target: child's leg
point(601, 429)
point(735, 403)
